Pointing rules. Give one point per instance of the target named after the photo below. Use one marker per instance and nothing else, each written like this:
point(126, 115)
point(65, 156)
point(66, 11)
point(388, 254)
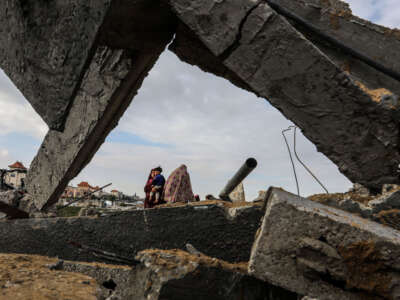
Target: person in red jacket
point(148, 203)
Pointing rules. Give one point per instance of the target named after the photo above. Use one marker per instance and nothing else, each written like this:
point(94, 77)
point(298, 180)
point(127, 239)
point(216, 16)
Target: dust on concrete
point(174, 258)
point(326, 198)
point(365, 268)
point(27, 277)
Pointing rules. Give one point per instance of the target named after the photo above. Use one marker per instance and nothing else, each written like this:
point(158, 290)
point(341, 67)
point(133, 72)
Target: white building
point(16, 175)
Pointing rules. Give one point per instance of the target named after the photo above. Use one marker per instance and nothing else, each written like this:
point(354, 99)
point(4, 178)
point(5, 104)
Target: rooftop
point(17, 165)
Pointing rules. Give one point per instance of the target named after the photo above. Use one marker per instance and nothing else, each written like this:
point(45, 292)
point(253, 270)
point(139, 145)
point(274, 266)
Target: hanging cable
point(291, 159)
point(305, 167)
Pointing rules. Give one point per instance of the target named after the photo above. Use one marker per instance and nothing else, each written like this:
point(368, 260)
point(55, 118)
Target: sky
point(182, 115)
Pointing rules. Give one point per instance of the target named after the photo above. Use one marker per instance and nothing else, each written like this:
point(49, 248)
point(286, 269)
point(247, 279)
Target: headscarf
point(147, 187)
point(178, 187)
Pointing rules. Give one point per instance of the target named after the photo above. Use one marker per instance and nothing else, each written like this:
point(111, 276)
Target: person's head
point(157, 170)
point(153, 173)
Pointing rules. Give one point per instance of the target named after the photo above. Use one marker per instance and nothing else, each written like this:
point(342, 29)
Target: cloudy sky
point(185, 116)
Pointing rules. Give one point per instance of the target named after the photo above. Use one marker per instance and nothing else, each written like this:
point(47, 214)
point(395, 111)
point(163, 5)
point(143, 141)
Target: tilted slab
point(109, 85)
point(334, 18)
point(44, 46)
point(178, 275)
point(277, 62)
point(323, 252)
point(111, 80)
point(216, 231)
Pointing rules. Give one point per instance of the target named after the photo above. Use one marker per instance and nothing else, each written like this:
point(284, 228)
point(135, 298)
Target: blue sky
point(183, 115)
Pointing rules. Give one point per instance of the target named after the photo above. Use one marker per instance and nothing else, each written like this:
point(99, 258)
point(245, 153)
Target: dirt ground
point(26, 277)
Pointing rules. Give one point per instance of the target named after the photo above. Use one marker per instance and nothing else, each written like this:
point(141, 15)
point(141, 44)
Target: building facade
point(16, 175)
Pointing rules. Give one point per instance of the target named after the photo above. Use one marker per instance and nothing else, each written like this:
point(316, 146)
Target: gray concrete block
point(108, 87)
point(220, 232)
point(323, 252)
point(44, 46)
point(177, 275)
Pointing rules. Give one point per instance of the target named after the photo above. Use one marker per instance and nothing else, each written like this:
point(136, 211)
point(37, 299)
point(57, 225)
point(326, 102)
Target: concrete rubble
point(238, 194)
point(383, 208)
point(230, 232)
point(104, 50)
point(323, 252)
point(80, 65)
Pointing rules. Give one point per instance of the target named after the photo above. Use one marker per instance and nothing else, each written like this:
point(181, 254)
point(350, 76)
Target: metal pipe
point(241, 174)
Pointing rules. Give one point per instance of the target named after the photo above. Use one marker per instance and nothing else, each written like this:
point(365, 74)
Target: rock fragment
point(178, 275)
point(323, 252)
point(237, 195)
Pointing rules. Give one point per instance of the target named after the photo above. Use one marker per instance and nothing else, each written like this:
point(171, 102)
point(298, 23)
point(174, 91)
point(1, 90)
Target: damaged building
point(81, 64)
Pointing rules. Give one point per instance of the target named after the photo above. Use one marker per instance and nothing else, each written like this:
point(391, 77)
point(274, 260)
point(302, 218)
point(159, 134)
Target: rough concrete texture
point(28, 277)
point(237, 195)
point(383, 208)
point(335, 19)
point(323, 252)
point(338, 114)
point(115, 282)
point(44, 46)
point(9, 204)
point(112, 79)
point(178, 275)
point(225, 233)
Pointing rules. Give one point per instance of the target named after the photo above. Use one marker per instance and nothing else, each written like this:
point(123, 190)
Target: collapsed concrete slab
point(178, 275)
point(218, 231)
point(109, 85)
point(347, 107)
point(276, 61)
point(160, 274)
point(323, 252)
point(382, 208)
point(44, 47)
point(124, 53)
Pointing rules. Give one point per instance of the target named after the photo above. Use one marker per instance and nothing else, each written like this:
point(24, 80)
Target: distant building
point(16, 175)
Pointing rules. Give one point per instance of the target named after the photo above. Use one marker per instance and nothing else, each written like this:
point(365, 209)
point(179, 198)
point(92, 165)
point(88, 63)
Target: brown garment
point(178, 187)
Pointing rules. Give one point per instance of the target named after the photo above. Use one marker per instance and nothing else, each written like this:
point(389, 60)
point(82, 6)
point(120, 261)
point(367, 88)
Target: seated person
point(157, 186)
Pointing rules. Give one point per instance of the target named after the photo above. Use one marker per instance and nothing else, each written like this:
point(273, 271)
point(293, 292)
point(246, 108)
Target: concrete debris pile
point(296, 247)
point(303, 57)
point(80, 65)
point(383, 208)
point(323, 252)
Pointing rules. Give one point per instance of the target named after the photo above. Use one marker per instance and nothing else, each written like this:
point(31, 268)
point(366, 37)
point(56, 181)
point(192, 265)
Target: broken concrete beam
point(178, 275)
point(29, 277)
point(109, 85)
point(222, 232)
point(44, 47)
point(339, 115)
point(323, 252)
point(335, 19)
point(381, 208)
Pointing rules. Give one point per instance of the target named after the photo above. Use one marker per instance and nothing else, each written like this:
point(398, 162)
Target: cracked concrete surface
point(331, 96)
point(323, 252)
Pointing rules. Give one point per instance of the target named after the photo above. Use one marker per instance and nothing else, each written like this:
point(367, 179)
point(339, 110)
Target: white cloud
point(16, 114)
point(212, 127)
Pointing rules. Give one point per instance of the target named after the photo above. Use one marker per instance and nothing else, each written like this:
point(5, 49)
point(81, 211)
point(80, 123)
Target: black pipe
point(241, 174)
